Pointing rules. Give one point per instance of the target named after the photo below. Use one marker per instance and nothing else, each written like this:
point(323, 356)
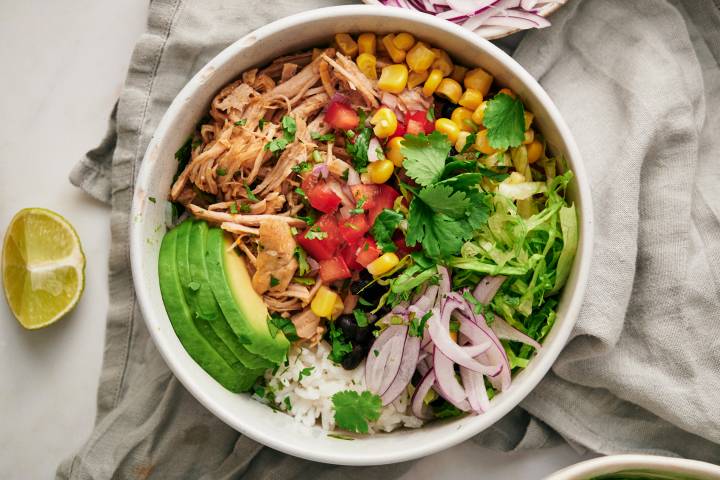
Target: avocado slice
point(244, 309)
point(181, 319)
point(206, 305)
point(193, 291)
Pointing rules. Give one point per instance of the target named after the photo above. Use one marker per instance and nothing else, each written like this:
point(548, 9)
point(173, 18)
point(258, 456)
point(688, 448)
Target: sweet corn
point(471, 99)
point(393, 151)
point(458, 73)
point(346, 44)
point(380, 171)
point(366, 43)
point(393, 78)
point(432, 82)
point(463, 119)
point(449, 89)
point(448, 127)
point(420, 57)
point(528, 119)
point(366, 63)
point(395, 53)
point(337, 309)
point(479, 113)
point(416, 78)
point(323, 302)
point(461, 141)
point(529, 136)
point(482, 143)
point(404, 41)
point(383, 264)
point(442, 62)
point(478, 79)
point(385, 122)
point(507, 91)
point(534, 151)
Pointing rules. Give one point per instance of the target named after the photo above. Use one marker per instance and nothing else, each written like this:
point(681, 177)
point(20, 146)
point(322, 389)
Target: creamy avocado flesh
point(186, 329)
point(208, 308)
point(244, 309)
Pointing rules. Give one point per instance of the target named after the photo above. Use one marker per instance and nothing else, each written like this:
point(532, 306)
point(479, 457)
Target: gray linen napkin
point(638, 83)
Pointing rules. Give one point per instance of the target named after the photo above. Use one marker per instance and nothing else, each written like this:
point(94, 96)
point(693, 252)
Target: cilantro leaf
point(276, 324)
point(303, 266)
point(425, 156)
point(384, 227)
point(360, 318)
point(357, 147)
point(505, 121)
point(353, 410)
point(340, 347)
point(439, 234)
point(241, 123)
point(289, 129)
point(305, 372)
point(328, 137)
point(250, 194)
point(443, 199)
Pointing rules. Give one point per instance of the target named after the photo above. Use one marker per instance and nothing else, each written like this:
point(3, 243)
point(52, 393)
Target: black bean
point(363, 334)
point(353, 358)
point(348, 326)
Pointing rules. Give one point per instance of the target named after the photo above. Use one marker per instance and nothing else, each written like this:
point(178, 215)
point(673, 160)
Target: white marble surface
point(63, 64)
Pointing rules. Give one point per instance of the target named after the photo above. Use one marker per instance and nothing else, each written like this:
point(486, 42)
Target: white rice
point(310, 397)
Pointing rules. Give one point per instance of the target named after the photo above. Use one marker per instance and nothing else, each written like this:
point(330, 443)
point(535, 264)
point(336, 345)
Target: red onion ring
point(419, 409)
point(448, 386)
point(399, 383)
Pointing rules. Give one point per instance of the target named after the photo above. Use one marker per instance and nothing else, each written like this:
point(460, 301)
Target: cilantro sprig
point(353, 410)
point(289, 129)
point(505, 121)
point(383, 228)
point(425, 156)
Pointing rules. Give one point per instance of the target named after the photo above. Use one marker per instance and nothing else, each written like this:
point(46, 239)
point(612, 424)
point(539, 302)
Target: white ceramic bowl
point(644, 463)
point(304, 30)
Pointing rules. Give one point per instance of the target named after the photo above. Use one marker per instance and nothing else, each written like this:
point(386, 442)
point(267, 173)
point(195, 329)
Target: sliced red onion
point(410, 354)
point(313, 264)
point(389, 100)
point(353, 177)
point(393, 362)
point(487, 288)
point(373, 147)
point(375, 364)
point(338, 190)
point(503, 330)
point(439, 328)
point(494, 356)
point(425, 364)
point(475, 390)
point(321, 169)
point(528, 4)
point(419, 409)
point(517, 19)
point(340, 98)
point(447, 385)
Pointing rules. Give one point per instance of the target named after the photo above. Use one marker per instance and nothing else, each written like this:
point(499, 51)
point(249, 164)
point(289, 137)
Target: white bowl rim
point(551, 349)
point(615, 463)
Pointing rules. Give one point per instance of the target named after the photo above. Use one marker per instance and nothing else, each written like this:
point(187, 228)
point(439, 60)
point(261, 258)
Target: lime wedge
point(43, 267)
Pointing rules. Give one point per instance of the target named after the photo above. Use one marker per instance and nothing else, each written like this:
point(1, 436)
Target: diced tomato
point(323, 198)
point(366, 192)
point(349, 254)
point(400, 131)
point(333, 269)
point(341, 116)
point(321, 248)
point(354, 227)
point(418, 123)
point(367, 251)
point(384, 199)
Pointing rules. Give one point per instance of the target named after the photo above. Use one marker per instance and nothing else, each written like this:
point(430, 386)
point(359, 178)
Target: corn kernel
point(507, 91)
point(463, 119)
point(479, 80)
point(393, 78)
point(395, 53)
point(337, 309)
point(416, 78)
point(471, 99)
point(420, 57)
point(482, 144)
point(385, 122)
point(383, 264)
point(442, 62)
point(404, 41)
point(448, 127)
point(534, 151)
point(366, 43)
point(528, 119)
point(380, 171)
point(393, 151)
point(529, 136)
point(432, 82)
point(458, 73)
point(366, 63)
point(323, 302)
point(346, 44)
point(461, 141)
point(449, 89)
point(479, 113)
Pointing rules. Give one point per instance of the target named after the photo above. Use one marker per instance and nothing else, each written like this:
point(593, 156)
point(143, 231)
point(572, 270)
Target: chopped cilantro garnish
point(300, 192)
point(305, 372)
point(221, 172)
point(152, 199)
point(302, 167)
point(346, 174)
point(251, 196)
point(364, 302)
point(328, 137)
point(315, 233)
point(289, 129)
point(340, 347)
point(244, 208)
point(308, 220)
point(304, 280)
point(505, 121)
point(425, 156)
point(357, 146)
point(360, 318)
point(241, 123)
point(376, 352)
point(233, 208)
point(276, 324)
point(262, 123)
point(384, 227)
point(358, 207)
point(303, 266)
point(287, 403)
point(274, 282)
point(354, 410)
point(454, 326)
